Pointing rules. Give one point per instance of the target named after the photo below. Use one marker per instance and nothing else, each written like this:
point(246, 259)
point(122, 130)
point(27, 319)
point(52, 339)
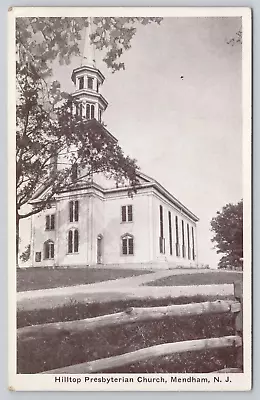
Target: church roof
point(145, 182)
point(168, 195)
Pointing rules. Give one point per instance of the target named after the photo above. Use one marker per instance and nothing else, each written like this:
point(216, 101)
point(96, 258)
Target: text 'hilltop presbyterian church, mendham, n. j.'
point(97, 222)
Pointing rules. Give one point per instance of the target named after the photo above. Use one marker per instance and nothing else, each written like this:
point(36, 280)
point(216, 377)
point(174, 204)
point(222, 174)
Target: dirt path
point(119, 289)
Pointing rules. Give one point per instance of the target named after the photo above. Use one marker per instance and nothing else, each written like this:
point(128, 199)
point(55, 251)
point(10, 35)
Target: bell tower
point(88, 80)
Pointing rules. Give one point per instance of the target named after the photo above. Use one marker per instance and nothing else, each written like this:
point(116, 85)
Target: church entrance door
point(99, 249)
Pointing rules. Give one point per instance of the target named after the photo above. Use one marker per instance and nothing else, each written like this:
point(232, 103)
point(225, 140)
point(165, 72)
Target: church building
point(98, 223)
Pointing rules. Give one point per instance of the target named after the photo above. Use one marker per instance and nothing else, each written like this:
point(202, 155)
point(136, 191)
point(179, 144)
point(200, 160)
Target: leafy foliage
point(46, 129)
point(41, 40)
point(228, 235)
point(25, 256)
point(237, 39)
point(45, 125)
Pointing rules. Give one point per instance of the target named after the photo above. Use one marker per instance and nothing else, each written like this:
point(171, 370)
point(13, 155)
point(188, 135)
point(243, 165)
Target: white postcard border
point(41, 382)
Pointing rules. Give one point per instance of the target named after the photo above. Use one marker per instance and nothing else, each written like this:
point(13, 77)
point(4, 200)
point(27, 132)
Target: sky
point(185, 133)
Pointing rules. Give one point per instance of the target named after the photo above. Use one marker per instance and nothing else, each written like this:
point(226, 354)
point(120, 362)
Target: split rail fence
point(136, 315)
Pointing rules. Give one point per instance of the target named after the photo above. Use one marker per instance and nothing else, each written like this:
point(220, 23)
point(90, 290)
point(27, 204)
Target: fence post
point(238, 293)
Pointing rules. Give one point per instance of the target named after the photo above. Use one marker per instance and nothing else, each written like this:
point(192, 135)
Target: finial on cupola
point(87, 80)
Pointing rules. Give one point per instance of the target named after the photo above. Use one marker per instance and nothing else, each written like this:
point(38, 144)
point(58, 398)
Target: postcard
point(129, 148)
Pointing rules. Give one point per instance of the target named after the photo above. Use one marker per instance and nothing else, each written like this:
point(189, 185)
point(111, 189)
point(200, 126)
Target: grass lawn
point(45, 278)
point(63, 349)
point(207, 278)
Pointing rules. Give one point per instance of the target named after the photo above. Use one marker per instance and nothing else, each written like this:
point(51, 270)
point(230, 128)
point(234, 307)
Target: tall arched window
point(127, 244)
point(92, 111)
point(73, 241)
point(88, 111)
point(48, 250)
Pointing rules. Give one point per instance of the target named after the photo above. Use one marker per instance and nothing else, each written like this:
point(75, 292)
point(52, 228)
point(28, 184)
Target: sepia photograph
point(129, 199)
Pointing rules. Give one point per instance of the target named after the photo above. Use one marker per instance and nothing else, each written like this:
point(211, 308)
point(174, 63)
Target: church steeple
point(87, 80)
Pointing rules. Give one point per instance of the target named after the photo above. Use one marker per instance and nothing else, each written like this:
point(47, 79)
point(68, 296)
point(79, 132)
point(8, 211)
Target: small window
point(90, 83)
point(99, 115)
point(73, 211)
point(50, 222)
point(127, 245)
point(73, 241)
point(127, 213)
point(81, 82)
point(38, 256)
point(48, 250)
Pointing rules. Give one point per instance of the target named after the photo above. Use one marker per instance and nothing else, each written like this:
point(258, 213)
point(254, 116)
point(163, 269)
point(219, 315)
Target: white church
point(98, 223)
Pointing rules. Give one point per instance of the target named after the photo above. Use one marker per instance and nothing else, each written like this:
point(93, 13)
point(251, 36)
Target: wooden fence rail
point(130, 315)
point(149, 353)
point(136, 315)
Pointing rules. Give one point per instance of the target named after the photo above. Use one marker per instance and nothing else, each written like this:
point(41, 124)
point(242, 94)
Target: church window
point(81, 82)
point(73, 211)
point(161, 238)
point(188, 240)
point(183, 239)
point(127, 244)
point(92, 108)
point(81, 110)
point(177, 237)
point(90, 83)
point(38, 256)
point(161, 221)
point(170, 231)
point(50, 222)
point(99, 115)
point(127, 213)
point(88, 111)
point(193, 244)
point(73, 241)
point(48, 250)
point(162, 245)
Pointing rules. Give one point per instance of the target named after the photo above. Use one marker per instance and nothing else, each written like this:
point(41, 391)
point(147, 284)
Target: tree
point(45, 129)
point(228, 235)
point(41, 40)
point(237, 39)
point(25, 256)
point(45, 124)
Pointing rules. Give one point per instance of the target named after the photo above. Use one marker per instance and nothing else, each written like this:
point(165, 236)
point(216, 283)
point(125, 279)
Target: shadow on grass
point(41, 355)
